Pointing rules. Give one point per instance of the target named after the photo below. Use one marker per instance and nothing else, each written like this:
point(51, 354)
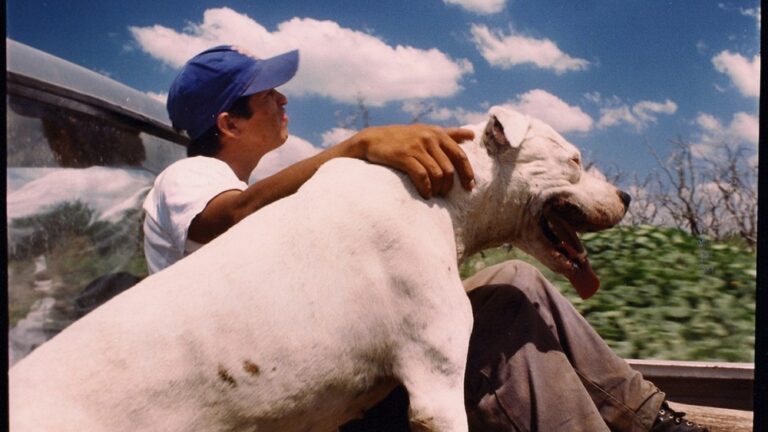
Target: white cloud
point(294, 150)
point(537, 103)
point(708, 122)
point(506, 51)
point(752, 12)
point(109, 192)
point(552, 110)
point(336, 135)
point(746, 127)
point(646, 110)
point(337, 62)
point(594, 97)
point(444, 115)
point(614, 116)
point(744, 73)
point(743, 129)
point(479, 6)
point(162, 97)
point(640, 115)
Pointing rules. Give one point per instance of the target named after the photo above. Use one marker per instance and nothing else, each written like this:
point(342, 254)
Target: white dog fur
point(314, 308)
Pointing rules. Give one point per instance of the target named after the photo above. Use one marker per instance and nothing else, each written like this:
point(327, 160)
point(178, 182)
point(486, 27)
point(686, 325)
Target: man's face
point(268, 126)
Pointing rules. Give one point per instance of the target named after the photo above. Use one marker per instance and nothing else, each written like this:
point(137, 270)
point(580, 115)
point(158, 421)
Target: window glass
point(75, 186)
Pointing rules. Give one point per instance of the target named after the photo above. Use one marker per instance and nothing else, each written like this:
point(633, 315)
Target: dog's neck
point(475, 215)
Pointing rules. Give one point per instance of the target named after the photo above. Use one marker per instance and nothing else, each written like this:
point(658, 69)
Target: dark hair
point(208, 143)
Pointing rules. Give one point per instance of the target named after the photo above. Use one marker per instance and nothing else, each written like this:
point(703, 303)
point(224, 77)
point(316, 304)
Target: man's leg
point(526, 375)
point(518, 377)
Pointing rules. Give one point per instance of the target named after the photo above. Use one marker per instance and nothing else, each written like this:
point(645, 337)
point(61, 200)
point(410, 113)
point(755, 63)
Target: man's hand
point(428, 154)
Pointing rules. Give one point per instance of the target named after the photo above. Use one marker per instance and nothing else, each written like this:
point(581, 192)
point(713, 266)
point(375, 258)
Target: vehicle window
point(75, 185)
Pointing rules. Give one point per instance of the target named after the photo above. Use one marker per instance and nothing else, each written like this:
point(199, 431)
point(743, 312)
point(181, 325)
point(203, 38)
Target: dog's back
point(299, 308)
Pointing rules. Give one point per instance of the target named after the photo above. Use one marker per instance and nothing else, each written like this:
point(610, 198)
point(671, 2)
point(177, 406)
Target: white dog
point(311, 310)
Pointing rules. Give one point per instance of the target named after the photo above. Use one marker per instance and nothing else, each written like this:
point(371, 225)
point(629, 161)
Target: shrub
point(664, 293)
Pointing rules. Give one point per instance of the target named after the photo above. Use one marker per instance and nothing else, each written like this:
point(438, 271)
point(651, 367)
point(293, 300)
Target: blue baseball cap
point(213, 80)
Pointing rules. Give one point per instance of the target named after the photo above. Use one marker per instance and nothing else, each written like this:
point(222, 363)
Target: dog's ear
point(505, 130)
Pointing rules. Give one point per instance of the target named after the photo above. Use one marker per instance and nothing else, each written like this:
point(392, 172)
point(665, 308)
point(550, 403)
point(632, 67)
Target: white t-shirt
point(180, 193)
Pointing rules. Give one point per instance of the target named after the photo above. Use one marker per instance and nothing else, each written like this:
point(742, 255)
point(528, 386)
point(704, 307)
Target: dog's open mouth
point(560, 222)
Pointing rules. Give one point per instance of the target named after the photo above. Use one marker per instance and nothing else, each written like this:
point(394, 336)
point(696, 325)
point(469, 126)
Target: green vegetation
point(664, 293)
point(76, 249)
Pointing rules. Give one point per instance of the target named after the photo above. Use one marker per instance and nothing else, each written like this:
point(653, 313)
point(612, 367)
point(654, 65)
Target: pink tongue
point(584, 280)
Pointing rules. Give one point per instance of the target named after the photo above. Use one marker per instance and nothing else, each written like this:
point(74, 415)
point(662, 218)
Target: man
point(233, 122)
point(534, 363)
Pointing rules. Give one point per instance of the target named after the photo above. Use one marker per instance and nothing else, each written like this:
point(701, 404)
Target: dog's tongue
point(584, 280)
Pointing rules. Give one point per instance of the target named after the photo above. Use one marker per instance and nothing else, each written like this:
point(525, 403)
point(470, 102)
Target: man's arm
point(428, 154)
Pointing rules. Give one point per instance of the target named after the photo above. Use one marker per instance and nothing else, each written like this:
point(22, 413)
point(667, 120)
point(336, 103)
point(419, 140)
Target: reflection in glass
point(75, 184)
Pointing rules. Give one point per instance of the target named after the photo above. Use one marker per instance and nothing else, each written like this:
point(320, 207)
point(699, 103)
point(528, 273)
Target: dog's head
point(542, 184)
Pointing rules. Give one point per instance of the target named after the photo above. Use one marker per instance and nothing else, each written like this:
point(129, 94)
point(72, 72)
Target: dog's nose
point(625, 198)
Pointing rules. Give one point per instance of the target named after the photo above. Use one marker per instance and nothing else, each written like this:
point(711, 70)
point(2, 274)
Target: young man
point(227, 102)
point(534, 363)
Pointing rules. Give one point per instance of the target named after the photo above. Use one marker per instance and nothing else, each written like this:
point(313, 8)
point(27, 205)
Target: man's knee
point(492, 299)
point(520, 274)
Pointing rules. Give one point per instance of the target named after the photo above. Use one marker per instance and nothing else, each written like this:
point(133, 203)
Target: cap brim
point(275, 71)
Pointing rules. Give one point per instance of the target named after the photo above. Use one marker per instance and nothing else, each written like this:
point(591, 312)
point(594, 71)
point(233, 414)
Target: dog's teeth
point(572, 252)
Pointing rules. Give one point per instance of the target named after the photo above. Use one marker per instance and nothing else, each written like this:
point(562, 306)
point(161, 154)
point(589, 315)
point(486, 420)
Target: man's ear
point(506, 129)
point(226, 124)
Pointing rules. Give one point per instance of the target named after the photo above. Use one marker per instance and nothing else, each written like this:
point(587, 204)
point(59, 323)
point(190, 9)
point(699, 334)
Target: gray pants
point(535, 364)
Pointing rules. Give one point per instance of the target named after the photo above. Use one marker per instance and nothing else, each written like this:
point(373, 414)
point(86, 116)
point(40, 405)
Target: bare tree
point(358, 118)
point(643, 209)
point(713, 194)
point(734, 184)
point(677, 186)
point(421, 110)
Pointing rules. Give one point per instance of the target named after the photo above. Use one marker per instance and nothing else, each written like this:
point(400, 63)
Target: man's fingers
point(460, 134)
point(435, 172)
point(463, 167)
point(458, 157)
point(419, 176)
point(446, 168)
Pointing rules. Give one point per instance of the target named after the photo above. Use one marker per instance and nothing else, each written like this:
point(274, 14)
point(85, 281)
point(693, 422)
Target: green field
point(665, 294)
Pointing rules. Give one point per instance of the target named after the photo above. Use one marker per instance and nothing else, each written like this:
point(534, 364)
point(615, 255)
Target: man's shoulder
point(196, 162)
point(197, 166)
point(195, 173)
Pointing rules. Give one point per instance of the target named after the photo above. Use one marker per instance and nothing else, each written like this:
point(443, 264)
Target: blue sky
point(610, 75)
